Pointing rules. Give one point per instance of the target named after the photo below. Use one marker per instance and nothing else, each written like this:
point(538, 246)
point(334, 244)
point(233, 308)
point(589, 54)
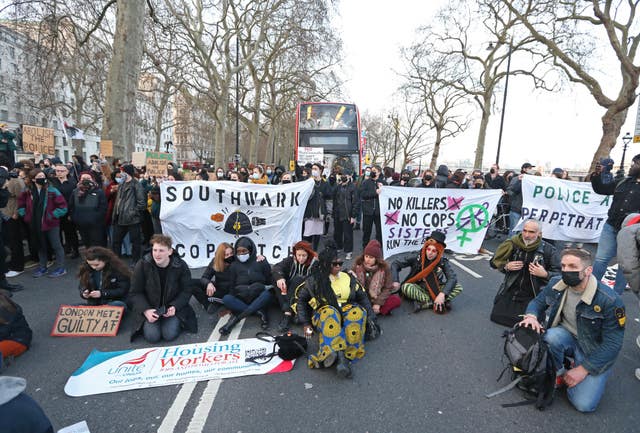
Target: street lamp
point(504, 97)
point(396, 125)
point(237, 158)
point(626, 140)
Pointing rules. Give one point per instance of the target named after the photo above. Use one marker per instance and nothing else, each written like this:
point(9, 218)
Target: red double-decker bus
point(329, 133)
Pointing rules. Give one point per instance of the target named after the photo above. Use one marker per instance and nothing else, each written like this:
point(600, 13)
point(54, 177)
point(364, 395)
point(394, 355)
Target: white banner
point(310, 155)
point(567, 210)
point(104, 372)
point(409, 215)
point(199, 215)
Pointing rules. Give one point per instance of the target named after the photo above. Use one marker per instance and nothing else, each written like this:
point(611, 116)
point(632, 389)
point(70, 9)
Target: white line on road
point(464, 268)
point(201, 413)
point(180, 402)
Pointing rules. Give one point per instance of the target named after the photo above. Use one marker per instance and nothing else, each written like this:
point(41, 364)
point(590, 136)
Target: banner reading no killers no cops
point(199, 215)
point(410, 215)
point(566, 210)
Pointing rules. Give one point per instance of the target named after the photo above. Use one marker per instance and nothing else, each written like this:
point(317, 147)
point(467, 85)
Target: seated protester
point(528, 263)
point(160, 293)
point(431, 283)
point(216, 281)
point(104, 278)
point(584, 320)
point(374, 275)
point(334, 304)
point(18, 411)
point(249, 278)
point(88, 209)
point(15, 334)
point(288, 275)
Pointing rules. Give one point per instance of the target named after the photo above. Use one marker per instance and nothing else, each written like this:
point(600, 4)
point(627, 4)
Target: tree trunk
point(222, 112)
point(436, 150)
point(122, 82)
point(611, 125)
point(482, 133)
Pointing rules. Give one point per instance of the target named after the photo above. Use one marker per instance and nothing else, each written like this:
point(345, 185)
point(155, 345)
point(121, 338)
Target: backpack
point(528, 359)
point(288, 346)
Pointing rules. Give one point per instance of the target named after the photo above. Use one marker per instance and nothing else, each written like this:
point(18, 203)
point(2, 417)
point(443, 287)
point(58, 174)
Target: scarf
point(376, 281)
point(501, 257)
point(427, 273)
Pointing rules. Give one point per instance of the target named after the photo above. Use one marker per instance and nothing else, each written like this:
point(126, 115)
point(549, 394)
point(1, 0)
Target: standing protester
point(432, 282)
point(7, 145)
point(428, 179)
point(515, 196)
point(346, 207)
point(584, 320)
point(11, 224)
point(4, 199)
point(369, 192)
point(528, 263)
point(42, 206)
point(160, 293)
point(626, 200)
point(66, 184)
point(129, 205)
point(493, 180)
point(88, 208)
point(316, 210)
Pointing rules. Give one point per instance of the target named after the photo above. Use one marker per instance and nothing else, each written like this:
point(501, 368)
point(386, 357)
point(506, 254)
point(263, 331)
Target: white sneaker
point(12, 274)
point(638, 373)
point(348, 256)
point(637, 338)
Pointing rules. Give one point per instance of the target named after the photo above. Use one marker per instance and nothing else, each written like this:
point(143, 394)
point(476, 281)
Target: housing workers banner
point(409, 215)
point(105, 372)
point(200, 215)
point(567, 210)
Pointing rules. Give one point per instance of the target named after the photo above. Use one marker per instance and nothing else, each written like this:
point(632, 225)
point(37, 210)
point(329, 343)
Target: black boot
point(264, 320)
point(5, 285)
point(226, 329)
point(285, 323)
point(343, 369)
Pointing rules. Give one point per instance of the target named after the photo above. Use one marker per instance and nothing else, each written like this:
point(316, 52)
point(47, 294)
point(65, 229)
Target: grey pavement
point(426, 373)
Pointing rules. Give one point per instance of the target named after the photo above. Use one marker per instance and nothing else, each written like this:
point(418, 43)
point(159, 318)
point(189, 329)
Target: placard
point(156, 163)
point(36, 139)
point(106, 147)
point(87, 321)
point(310, 155)
point(138, 159)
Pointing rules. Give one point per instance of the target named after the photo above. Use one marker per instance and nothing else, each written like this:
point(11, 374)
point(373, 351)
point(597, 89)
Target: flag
point(73, 132)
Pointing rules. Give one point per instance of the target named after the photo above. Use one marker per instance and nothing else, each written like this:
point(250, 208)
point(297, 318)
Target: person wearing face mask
point(215, 281)
point(528, 263)
point(66, 184)
point(286, 178)
point(626, 200)
point(514, 190)
point(403, 180)
point(493, 180)
point(42, 206)
point(369, 191)
point(346, 208)
point(316, 210)
point(87, 210)
point(258, 176)
point(277, 175)
point(583, 322)
point(442, 177)
point(128, 213)
point(220, 174)
point(432, 283)
point(428, 179)
point(249, 292)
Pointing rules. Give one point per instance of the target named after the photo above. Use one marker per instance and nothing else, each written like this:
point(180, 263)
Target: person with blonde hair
point(215, 281)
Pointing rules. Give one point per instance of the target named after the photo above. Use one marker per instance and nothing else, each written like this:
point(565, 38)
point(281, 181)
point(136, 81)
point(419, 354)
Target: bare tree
point(569, 30)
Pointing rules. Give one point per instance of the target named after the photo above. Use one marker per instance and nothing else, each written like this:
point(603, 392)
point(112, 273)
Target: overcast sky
point(545, 129)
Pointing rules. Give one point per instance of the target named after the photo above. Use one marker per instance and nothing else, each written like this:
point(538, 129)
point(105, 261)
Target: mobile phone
point(161, 311)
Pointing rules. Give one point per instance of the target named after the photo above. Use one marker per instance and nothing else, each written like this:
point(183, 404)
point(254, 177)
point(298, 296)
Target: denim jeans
point(607, 246)
point(166, 328)
point(239, 307)
point(586, 395)
point(514, 217)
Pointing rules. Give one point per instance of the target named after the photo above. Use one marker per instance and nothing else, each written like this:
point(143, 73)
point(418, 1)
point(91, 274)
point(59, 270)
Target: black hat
point(527, 165)
point(636, 158)
point(129, 169)
point(439, 237)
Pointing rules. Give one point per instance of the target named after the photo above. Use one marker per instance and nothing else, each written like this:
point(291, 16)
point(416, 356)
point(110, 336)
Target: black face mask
point(229, 259)
point(492, 171)
point(634, 171)
point(428, 178)
point(373, 175)
point(87, 183)
point(405, 178)
point(344, 179)
point(286, 181)
point(571, 278)
point(41, 181)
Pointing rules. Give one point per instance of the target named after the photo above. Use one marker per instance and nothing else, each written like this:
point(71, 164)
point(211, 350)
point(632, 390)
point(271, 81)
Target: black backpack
point(288, 346)
point(528, 359)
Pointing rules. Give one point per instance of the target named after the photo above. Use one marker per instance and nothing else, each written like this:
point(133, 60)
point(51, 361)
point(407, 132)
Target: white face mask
point(242, 257)
point(256, 176)
point(315, 173)
point(220, 174)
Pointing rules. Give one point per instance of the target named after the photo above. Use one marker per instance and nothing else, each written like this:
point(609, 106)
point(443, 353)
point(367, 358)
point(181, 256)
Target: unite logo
point(131, 366)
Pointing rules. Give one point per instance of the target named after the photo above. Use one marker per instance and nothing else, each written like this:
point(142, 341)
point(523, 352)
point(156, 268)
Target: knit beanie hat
point(373, 249)
point(129, 169)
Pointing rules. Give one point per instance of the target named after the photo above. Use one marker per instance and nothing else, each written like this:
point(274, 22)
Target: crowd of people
point(109, 213)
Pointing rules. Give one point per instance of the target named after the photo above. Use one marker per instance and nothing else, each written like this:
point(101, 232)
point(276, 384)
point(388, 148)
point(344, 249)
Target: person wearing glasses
point(432, 282)
point(335, 305)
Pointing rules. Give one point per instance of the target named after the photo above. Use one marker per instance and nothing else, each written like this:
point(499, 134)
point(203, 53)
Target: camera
point(161, 311)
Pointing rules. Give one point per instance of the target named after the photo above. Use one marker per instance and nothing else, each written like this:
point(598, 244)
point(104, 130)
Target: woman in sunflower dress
point(334, 304)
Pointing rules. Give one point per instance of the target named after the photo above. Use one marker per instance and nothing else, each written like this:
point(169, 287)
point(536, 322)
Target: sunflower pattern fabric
point(339, 331)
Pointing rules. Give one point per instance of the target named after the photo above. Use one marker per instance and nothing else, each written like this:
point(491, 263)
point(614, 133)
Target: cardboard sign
point(87, 321)
point(106, 147)
point(157, 163)
point(36, 139)
point(138, 159)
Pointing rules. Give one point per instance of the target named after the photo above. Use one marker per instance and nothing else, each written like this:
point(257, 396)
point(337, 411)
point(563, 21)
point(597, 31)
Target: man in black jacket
point(160, 293)
point(626, 200)
point(369, 192)
point(127, 213)
point(346, 208)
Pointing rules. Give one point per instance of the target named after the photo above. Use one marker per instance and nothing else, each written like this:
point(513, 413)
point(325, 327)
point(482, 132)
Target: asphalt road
point(425, 373)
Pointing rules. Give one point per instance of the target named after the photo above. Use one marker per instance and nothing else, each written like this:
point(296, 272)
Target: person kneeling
point(104, 278)
point(584, 329)
point(160, 293)
point(432, 282)
point(336, 305)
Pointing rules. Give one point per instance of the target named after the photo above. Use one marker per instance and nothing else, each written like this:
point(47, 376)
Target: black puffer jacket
point(115, 287)
point(345, 202)
point(89, 209)
point(369, 197)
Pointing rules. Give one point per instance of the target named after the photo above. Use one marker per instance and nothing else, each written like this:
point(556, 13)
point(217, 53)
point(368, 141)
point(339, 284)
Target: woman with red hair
point(288, 275)
point(432, 282)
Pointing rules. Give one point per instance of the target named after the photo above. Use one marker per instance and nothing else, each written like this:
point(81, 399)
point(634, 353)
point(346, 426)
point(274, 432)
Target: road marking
point(200, 415)
point(180, 402)
point(464, 268)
